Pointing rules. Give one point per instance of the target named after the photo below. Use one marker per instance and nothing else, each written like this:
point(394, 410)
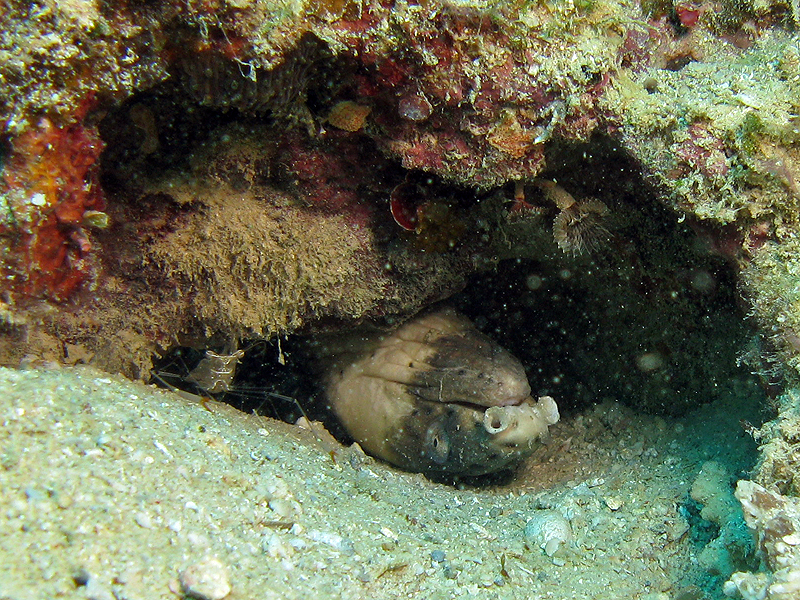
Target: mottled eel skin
point(434, 396)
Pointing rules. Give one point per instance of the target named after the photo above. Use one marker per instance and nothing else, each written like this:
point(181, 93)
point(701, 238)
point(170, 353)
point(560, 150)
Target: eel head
point(437, 396)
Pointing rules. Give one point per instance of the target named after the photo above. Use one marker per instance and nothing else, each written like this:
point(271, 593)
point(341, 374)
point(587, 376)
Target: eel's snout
point(507, 384)
point(464, 365)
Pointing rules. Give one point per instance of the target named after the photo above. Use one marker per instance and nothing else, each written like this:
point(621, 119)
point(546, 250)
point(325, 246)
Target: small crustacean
point(214, 373)
point(213, 378)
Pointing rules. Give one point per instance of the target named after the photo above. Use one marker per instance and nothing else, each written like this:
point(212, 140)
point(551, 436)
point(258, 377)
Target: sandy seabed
point(111, 489)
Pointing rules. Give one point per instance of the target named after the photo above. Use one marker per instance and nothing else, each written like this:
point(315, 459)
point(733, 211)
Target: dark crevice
point(648, 315)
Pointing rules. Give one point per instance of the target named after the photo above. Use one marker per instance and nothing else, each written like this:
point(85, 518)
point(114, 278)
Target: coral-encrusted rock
point(51, 193)
point(775, 522)
point(476, 94)
point(224, 252)
point(779, 466)
point(474, 99)
point(444, 88)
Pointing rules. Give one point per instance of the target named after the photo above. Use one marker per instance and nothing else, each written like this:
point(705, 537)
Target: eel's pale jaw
point(520, 423)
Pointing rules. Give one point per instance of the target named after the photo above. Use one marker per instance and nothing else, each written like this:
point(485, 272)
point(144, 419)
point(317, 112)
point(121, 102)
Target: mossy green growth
point(773, 281)
point(656, 8)
point(731, 15)
point(751, 128)
point(585, 6)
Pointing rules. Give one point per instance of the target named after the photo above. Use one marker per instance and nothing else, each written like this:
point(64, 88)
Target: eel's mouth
point(522, 419)
point(525, 421)
point(467, 438)
point(482, 408)
point(511, 401)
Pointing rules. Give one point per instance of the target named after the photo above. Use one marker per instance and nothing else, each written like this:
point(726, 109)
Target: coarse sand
point(111, 489)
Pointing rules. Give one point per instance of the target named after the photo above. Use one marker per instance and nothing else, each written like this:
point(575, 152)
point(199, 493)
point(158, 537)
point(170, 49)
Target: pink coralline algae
point(701, 151)
point(455, 97)
point(688, 13)
point(340, 172)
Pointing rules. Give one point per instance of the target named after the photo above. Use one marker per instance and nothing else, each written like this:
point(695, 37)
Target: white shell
point(548, 530)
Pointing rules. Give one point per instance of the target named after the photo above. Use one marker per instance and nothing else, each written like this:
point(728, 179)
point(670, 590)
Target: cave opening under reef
point(647, 315)
point(648, 321)
point(645, 346)
point(640, 336)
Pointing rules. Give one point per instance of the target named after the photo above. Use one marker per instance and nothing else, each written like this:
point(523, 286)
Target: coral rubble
point(771, 509)
point(775, 522)
point(732, 549)
point(779, 439)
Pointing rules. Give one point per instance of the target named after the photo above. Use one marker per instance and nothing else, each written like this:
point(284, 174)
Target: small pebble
point(285, 509)
point(96, 590)
point(206, 580)
point(34, 495)
point(437, 556)
point(333, 540)
point(793, 539)
point(143, 520)
point(81, 576)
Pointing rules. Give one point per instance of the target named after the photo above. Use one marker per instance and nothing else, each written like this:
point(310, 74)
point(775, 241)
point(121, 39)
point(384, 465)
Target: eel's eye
point(437, 444)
